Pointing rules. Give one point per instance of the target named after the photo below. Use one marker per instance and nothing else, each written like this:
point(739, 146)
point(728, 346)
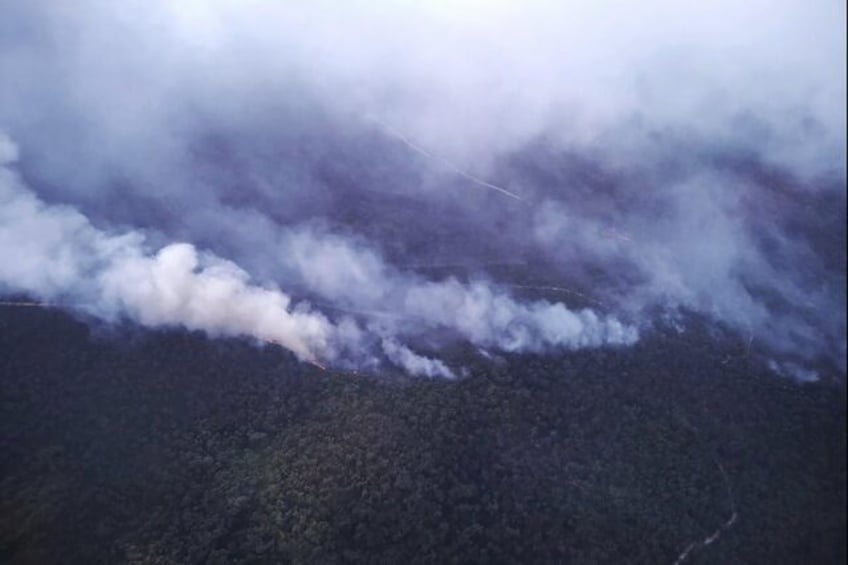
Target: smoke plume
point(367, 182)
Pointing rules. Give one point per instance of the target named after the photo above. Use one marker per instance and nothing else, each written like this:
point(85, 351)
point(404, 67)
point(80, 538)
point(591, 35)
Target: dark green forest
point(128, 446)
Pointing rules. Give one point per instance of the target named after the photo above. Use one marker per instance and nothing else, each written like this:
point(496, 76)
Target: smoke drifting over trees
point(339, 179)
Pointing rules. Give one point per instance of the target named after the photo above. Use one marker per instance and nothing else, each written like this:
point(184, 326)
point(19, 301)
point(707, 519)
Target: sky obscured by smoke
point(364, 181)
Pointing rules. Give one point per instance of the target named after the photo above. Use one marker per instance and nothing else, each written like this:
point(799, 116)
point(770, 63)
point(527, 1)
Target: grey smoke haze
point(668, 156)
point(56, 254)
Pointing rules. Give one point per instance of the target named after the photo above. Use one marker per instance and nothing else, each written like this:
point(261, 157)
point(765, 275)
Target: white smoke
point(56, 254)
point(476, 81)
point(337, 269)
point(659, 155)
point(173, 288)
point(413, 363)
point(793, 371)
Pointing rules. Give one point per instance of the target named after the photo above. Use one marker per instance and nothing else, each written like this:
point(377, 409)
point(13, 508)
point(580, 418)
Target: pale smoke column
point(55, 254)
point(490, 318)
point(171, 288)
point(413, 363)
point(484, 313)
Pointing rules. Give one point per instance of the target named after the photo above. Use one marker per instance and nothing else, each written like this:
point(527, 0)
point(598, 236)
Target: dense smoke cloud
point(55, 253)
point(402, 169)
